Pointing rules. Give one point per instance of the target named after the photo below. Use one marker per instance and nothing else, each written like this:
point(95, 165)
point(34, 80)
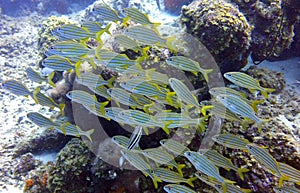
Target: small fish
point(172, 177)
point(93, 80)
point(112, 113)
point(145, 35)
point(290, 173)
point(160, 156)
point(173, 120)
point(265, 159)
point(219, 110)
point(107, 13)
point(140, 163)
point(34, 75)
point(127, 42)
point(238, 106)
point(70, 49)
point(221, 161)
point(122, 96)
point(135, 137)
point(95, 27)
point(183, 92)
point(75, 130)
point(89, 101)
point(243, 80)
point(176, 188)
point(204, 165)
point(146, 88)
point(231, 141)
point(187, 64)
point(44, 100)
point(72, 32)
point(286, 189)
point(139, 118)
point(41, 120)
point(121, 140)
point(218, 186)
point(229, 91)
point(58, 63)
point(138, 17)
point(16, 88)
point(174, 146)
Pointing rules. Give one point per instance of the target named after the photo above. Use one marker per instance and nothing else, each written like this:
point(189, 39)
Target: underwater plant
point(146, 95)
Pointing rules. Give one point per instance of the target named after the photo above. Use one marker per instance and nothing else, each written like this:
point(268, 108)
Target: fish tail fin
point(110, 82)
point(102, 105)
point(61, 108)
point(77, 68)
point(190, 181)
point(241, 171)
point(165, 127)
point(205, 73)
point(204, 109)
point(179, 168)
point(255, 103)
point(265, 91)
point(155, 181)
point(88, 134)
point(169, 97)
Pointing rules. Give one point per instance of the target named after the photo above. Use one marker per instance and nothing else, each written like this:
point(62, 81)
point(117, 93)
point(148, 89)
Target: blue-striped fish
point(95, 27)
point(204, 165)
point(34, 75)
point(72, 32)
point(229, 91)
point(137, 160)
point(90, 79)
point(244, 80)
point(183, 92)
point(16, 88)
point(75, 130)
point(167, 175)
point(231, 141)
point(174, 146)
point(159, 155)
point(218, 186)
point(42, 121)
point(89, 101)
point(44, 100)
point(69, 49)
point(58, 63)
point(219, 110)
point(238, 106)
point(106, 13)
point(112, 113)
point(128, 143)
point(137, 16)
point(187, 64)
point(127, 42)
point(145, 35)
point(266, 160)
point(290, 173)
point(176, 188)
point(122, 96)
point(221, 161)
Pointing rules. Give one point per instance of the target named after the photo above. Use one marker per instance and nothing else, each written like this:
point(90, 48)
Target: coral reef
point(222, 28)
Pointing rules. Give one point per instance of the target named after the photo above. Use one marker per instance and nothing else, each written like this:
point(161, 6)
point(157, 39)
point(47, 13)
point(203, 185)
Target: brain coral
point(222, 28)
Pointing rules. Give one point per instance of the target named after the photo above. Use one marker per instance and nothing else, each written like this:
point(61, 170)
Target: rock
point(222, 28)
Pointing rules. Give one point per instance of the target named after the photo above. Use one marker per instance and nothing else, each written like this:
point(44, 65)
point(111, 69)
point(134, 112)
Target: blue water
point(17, 8)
